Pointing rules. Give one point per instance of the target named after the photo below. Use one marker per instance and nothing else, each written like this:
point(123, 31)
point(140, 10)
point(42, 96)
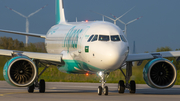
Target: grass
point(53, 75)
point(1, 74)
point(2, 63)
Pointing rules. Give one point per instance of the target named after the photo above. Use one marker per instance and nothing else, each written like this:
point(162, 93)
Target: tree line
point(14, 44)
point(10, 44)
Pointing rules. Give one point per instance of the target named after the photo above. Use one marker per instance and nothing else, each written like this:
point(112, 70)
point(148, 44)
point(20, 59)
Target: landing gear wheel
point(105, 90)
point(42, 86)
point(132, 88)
point(31, 89)
point(99, 90)
point(121, 86)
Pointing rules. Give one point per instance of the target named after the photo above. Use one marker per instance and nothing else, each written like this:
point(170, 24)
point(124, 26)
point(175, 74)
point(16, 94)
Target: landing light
point(86, 20)
point(100, 73)
point(87, 74)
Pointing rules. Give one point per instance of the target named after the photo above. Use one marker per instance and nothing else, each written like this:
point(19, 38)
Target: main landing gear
point(132, 85)
point(102, 89)
point(41, 85)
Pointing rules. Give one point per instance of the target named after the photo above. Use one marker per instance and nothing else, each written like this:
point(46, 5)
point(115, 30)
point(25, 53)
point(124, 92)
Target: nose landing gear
point(102, 88)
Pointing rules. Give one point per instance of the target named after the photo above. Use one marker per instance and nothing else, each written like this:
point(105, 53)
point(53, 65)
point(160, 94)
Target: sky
point(159, 26)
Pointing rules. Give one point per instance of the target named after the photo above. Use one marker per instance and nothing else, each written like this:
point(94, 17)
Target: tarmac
point(69, 91)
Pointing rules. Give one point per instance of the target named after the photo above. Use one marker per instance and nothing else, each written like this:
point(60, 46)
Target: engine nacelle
point(20, 71)
point(160, 73)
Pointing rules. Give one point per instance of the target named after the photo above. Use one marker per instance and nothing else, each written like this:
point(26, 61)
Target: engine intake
point(160, 73)
point(20, 71)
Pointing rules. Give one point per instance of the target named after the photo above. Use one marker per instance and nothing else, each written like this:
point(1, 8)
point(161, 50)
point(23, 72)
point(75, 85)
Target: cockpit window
point(90, 38)
point(94, 38)
point(122, 38)
point(103, 38)
point(115, 38)
point(106, 38)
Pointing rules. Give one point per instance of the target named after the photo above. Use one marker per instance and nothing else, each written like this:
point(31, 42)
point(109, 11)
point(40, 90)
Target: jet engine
point(160, 73)
point(20, 71)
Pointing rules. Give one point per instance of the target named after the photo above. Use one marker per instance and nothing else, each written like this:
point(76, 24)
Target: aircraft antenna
point(102, 18)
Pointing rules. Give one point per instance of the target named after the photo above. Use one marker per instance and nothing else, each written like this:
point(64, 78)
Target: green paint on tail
point(58, 18)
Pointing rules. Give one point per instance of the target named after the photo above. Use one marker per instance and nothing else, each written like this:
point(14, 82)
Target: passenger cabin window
point(94, 38)
point(90, 38)
point(122, 38)
point(115, 38)
point(103, 38)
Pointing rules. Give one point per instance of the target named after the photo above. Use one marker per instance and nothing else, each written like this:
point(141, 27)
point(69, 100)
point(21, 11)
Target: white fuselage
point(71, 40)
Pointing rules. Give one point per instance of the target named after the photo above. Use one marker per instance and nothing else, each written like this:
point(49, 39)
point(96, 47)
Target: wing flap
point(23, 33)
point(146, 56)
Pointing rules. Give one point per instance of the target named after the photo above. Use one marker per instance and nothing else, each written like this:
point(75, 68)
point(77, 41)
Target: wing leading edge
point(23, 33)
point(34, 55)
point(146, 56)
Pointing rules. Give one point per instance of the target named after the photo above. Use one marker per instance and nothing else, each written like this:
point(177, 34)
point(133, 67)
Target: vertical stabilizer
point(60, 16)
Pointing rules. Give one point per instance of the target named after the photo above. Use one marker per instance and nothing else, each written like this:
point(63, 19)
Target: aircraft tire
point(106, 90)
point(31, 89)
point(99, 90)
point(121, 86)
point(132, 87)
point(42, 86)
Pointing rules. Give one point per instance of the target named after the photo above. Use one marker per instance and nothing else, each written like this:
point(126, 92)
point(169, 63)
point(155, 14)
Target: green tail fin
point(60, 16)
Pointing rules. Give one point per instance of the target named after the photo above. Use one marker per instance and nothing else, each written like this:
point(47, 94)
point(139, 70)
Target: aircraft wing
point(23, 33)
point(146, 56)
point(34, 55)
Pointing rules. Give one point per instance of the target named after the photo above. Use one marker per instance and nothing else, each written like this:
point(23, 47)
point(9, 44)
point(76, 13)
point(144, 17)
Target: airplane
point(94, 47)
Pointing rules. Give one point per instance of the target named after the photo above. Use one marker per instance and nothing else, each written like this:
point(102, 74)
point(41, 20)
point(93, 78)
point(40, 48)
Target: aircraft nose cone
point(113, 56)
point(107, 55)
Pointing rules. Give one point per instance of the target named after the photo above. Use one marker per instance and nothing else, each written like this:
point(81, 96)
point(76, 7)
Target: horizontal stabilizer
point(24, 33)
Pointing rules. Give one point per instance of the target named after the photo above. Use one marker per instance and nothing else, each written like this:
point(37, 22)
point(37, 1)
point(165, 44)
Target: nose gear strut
point(102, 88)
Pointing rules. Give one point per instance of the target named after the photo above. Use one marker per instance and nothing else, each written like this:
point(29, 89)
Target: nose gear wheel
point(102, 88)
point(99, 90)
